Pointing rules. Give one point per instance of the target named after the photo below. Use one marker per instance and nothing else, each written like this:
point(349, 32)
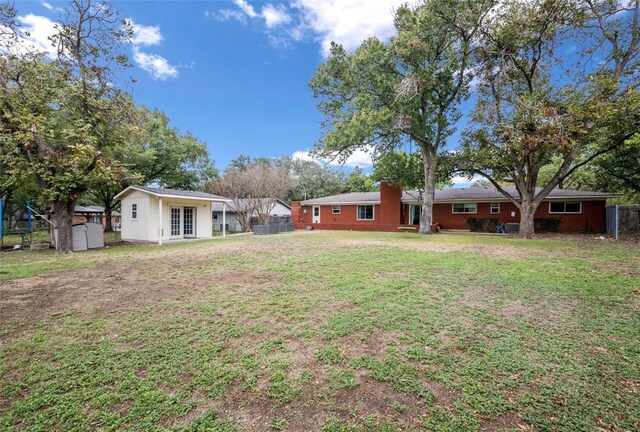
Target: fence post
point(617, 221)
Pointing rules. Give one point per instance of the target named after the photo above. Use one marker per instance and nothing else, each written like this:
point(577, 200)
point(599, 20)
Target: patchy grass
point(330, 331)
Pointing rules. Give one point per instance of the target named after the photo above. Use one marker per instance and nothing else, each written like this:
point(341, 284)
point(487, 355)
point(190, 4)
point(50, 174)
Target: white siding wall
point(137, 229)
point(280, 210)
point(145, 228)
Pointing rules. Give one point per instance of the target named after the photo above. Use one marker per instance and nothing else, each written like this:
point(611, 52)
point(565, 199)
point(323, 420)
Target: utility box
point(85, 236)
point(512, 228)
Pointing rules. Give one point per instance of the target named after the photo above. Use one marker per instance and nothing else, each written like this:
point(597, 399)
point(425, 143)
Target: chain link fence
point(623, 221)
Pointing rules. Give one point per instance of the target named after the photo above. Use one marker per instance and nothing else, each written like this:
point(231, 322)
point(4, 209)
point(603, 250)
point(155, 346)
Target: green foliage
point(383, 95)
point(357, 181)
point(313, 180)
point(539, 119)
point(482, 224)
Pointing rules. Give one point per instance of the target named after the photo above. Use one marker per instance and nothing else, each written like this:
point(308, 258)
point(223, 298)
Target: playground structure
point(19, 224)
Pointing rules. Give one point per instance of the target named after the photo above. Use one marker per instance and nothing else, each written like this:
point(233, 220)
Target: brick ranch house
point(392, 209)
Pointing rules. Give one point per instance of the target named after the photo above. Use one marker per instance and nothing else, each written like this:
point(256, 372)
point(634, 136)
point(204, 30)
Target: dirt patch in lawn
point(111, 289)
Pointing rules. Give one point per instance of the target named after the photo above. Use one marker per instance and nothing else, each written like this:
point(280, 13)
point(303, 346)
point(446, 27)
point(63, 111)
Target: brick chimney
point(390, 204)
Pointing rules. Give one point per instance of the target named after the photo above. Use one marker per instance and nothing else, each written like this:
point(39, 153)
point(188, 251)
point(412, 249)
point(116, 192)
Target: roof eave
point(170, 196)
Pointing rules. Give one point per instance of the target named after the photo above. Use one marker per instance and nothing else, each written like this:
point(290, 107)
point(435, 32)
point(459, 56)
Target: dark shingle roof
point(353, 197)
point(453, 194)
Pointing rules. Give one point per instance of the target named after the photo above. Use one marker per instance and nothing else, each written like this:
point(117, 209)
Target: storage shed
point(155, 215)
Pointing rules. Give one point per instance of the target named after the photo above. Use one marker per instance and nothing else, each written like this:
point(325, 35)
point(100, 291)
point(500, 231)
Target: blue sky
point(235, 73)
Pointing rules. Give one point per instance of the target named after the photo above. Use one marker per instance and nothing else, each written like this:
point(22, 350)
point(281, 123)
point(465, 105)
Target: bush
point(546, 224)
point(482, 224)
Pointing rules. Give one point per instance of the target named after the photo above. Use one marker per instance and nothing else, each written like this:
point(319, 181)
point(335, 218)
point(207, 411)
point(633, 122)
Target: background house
point(156, 215)
point(281, 211)
point(391, 209)
point(95, 214)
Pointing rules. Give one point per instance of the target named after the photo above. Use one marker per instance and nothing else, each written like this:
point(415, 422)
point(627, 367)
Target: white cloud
point(226, 15)
point(275, 15)
point(47, 5)
point(359, 158)
point(145, 35)
point(462, 181)
point(272, 15)
point(157, 66)
point(348, 22)
point(246, 8)
point(33, 35)
point(302, 155)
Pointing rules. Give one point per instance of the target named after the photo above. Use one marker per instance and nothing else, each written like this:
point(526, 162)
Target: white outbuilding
point(155, 215)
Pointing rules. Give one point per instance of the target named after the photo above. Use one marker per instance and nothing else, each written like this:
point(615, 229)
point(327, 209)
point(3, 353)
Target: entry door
point(176, 222)
point(316, 214)
point(189, 222)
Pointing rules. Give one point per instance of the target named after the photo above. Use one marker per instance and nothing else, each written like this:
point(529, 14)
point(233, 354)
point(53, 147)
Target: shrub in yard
point(547, 224)
point(482, 224)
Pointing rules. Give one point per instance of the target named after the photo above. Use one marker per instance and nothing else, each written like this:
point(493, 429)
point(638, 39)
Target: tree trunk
point(527, 212)
point(62, 218)
point(108, 227)
point(426, 213)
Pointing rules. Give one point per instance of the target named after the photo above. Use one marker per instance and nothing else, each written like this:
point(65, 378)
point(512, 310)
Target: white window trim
point(464, 212)
point(373, 212)
point(136, 211)
point(333, 209)
point(565, 205)
point(491, 208)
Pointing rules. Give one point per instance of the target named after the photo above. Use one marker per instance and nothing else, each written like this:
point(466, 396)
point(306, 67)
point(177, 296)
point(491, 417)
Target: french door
point(189, 222)
point(176, 222)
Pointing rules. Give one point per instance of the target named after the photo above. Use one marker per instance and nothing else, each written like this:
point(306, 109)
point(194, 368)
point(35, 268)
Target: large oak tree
point(543, 110)
point(385, 94)
point(61, 114)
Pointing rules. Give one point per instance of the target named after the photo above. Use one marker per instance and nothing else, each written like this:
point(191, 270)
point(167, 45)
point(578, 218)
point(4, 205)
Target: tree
point(383, 95)
point(406, 171)
point(58, 115)
point(253, 190)
point(154, 153)
point(358, 181)
point(529, 116)
point(311, 179)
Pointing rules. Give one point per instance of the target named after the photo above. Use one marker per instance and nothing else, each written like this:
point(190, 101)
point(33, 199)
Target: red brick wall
point(391, 215)
point(592, 218)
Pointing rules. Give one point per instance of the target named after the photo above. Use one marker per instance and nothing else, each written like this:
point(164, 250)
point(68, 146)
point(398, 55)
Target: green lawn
point(324, 331)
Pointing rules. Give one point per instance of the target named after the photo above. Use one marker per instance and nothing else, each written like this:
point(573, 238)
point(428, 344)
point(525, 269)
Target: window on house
point(365, 212)
point(134, 211)
point(565, 207)
point(465, 208)
point(335, 209)
point(215, 216)
point(95, 219)
point(495, 208)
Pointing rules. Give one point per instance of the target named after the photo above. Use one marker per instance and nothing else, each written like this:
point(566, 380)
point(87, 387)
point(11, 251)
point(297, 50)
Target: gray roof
point(217, 207)
point(352, 197)
point(456, 194)
point(88, 209)
point(176, 193)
